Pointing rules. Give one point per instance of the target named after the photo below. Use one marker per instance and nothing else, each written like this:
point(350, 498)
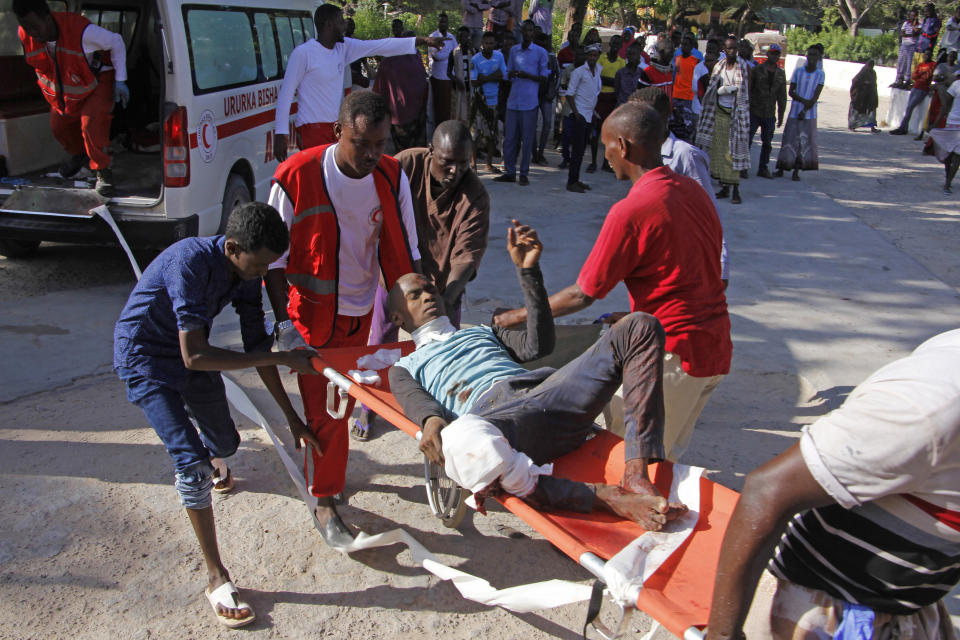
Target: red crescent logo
point(203, 134)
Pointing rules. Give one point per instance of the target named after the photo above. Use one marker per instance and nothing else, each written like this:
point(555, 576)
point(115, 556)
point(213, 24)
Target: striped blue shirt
point(807, 84)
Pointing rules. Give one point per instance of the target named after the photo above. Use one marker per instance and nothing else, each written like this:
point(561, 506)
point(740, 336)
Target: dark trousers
point(578, 140)
point(766, 126)
point(566, 132)
point(548, 413)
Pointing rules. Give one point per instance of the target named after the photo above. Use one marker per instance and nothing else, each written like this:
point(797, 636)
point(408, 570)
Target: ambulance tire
point(18, 248)
point(236, 193)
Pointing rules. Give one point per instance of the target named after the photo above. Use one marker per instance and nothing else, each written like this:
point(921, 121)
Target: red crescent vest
point(66, 78)
point(313, 267)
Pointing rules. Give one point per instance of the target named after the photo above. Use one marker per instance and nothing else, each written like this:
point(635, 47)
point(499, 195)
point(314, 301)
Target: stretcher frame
point(681, 608)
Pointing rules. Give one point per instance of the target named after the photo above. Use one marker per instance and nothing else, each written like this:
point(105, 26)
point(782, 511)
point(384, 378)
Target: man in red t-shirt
point(922, 79)
point(663, 242)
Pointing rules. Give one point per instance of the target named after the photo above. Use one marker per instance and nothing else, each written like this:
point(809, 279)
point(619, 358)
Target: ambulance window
point(222, 51)
point(122, 21)
point(308, 27)
point(268, 44)
point(297, 30)
point(285, 36)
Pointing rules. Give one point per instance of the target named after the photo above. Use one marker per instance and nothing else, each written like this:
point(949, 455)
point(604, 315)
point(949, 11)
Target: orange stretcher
point(677, 595)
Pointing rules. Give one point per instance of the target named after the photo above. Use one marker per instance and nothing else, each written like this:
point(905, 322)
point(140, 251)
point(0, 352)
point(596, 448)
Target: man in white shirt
point(854, 531)
point(581, 95)
point(351, 219)
point(440, 82)
point(315, 72)
point(81, 90)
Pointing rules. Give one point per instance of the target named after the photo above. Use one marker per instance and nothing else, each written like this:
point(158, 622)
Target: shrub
point(372, 24)
point(838, 44)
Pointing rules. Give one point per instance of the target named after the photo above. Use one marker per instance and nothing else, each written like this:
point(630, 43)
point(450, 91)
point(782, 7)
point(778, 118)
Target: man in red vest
point(82, 70)
point(350, 214)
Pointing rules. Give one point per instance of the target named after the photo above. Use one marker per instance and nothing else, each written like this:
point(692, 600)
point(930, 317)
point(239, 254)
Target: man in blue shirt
point(526, 69)
point(487, 69)
point(161, 352)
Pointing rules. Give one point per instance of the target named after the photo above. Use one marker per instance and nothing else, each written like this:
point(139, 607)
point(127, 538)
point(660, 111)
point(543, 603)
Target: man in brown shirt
point(452, 210)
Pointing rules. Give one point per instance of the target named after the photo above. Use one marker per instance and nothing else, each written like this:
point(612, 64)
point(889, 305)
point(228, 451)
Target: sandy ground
point(832, 277)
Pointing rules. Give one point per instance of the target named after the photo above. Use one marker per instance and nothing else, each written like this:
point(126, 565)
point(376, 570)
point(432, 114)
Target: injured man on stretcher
point(495, 425)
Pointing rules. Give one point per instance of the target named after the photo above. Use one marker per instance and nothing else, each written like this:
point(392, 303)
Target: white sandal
point(227, 596)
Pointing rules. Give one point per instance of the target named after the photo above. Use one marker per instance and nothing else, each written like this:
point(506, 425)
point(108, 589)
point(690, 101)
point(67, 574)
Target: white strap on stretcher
point(521, 599)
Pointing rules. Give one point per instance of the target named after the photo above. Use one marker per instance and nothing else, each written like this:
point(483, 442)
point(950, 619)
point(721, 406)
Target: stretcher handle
point(338, 389)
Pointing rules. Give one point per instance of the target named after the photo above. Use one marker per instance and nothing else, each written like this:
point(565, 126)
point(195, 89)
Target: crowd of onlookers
point(926, 71)
point(518, 95)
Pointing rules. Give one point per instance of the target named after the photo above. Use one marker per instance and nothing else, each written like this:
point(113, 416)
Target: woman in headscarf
point(863, 99)
point(723, 130)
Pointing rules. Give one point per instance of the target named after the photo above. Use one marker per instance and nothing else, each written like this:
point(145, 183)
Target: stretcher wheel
point(447, 500)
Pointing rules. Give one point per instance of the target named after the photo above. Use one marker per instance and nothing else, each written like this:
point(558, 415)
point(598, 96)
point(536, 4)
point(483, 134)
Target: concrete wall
point(840, 74)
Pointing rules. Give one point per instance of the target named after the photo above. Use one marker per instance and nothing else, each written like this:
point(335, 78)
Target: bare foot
point(649, 511)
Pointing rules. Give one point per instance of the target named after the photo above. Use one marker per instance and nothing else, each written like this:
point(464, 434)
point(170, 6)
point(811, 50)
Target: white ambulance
point(194, 141)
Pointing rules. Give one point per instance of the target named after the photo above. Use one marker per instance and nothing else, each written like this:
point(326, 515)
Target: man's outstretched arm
point(538, 339)
point(772, 495)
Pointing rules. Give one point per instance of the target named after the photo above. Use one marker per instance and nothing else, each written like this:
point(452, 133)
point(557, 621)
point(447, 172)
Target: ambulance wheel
point(447, 500)
point(18, 248)
point(236, 193)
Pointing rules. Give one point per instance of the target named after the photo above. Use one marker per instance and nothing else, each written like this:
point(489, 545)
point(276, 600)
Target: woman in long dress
point(863, 99)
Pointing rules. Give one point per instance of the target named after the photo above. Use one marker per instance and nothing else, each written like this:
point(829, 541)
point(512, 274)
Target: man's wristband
point(282, 325)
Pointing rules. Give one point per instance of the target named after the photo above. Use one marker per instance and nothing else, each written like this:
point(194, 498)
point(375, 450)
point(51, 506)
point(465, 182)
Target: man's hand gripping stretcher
point(496, 426)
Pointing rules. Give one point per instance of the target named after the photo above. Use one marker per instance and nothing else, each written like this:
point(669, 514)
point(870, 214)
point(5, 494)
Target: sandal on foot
point(359, 424)
point(222, 485)
point(227, 596)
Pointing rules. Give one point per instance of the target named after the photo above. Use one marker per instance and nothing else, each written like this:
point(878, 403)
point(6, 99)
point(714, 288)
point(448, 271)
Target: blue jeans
point(191, 446)
point(766, 126)
point(521, 127)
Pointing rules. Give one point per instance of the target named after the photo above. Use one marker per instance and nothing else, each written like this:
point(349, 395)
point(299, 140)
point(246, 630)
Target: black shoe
point(575, 188)
point(723, 193)
point(539, 159)
point(104, 184)
point(335, 533)
point(744, 174)
point(796, 175)
point(918, 137)
point(524, 181)
point(70, 167)
point(735, 199)
point(778, 173)
point(592, 168)
point(584, 186)
point(565, 164)
point(898, 132)
point(763, 172)
point(506, 177)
